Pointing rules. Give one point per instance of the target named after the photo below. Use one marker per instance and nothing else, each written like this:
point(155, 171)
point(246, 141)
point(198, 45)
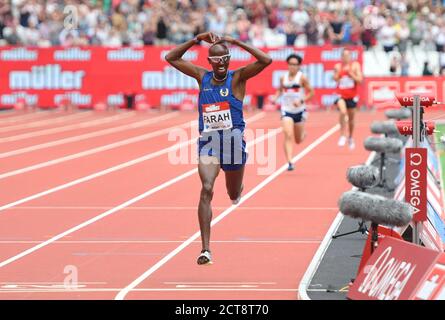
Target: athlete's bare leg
point(351, 121)
point(288, 129)
point(299, 132)
point(341, 103)
point(234, 183)
point(208, 169)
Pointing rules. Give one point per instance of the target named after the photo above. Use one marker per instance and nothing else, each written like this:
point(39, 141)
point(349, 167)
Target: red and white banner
point(395, 271)
point(383, 89)
point(416, 181)
point(382, 232)
point(431, 230)
point(433, 287)
point(406, 127)
point(88, 75)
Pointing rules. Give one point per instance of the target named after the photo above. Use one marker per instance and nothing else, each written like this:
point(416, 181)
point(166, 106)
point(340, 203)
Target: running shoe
point(290, 167)
point(205, 258)
point(342, 141)
point(351, 143)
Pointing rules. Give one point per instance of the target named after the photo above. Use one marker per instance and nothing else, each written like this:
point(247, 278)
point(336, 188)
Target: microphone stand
point(417, 123)
point(374, 236)
point(362, 228)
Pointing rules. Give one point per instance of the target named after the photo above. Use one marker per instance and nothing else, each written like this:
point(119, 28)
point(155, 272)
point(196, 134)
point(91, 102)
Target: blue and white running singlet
point(221, 123)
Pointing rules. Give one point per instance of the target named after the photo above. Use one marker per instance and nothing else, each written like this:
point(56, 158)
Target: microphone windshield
point(385, 127)
point(362, 176)
point(403, 113)
point(379, 144)
point(375, 208)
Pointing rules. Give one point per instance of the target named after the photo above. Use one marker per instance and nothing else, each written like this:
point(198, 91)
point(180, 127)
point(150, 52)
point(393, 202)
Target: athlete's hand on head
point(227, 39)
point(209, 37)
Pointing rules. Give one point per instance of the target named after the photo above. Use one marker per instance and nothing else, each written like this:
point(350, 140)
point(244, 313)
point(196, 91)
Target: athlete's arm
point(279, 90)
point(174, 57)
point(356, 72)
point(309, 91)
point(337, 72)
point(252, 69)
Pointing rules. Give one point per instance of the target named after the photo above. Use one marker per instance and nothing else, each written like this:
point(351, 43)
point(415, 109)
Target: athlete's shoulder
point(207, 74)
point(235, 73)
point(303, 77)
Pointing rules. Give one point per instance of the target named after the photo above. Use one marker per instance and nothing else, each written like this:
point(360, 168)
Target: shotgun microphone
point(375, 208)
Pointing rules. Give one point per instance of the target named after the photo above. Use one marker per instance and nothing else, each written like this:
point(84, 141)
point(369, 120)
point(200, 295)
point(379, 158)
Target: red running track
point(81, 219)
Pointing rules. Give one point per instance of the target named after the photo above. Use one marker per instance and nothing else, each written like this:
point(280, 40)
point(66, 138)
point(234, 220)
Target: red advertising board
point(382, 89)
point(44, 76)
point(433, 288)
point(382, 232)
point(394, 271)
point(416, 181)
point(406, 127)
point(426, 99)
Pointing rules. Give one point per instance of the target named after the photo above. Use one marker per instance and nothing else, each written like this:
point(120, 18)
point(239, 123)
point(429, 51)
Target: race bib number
point(216, 116)
point(346, 83)
point(290, 97)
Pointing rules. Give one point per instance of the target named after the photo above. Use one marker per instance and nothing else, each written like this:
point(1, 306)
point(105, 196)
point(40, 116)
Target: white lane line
point(121, 295)
point(319, 254)
point(79, 290)
point(90, 152)
point(217, 286)
point(47, 282)
point(109, 170)
point(23, 117)
point(125, 204)
point(159, 241)
point(167, 208)
point(97, 174)
point(40, 123)
point(68, 127)
point(218, 282)
point(85, 136)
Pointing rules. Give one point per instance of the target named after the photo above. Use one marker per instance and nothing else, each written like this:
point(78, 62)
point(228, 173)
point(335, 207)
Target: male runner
point(348, 76)
point(221, 143)
point(294, 90)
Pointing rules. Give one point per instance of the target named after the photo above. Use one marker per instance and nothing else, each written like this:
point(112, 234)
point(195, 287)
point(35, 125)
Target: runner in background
point(348, 76)
point(294, 91)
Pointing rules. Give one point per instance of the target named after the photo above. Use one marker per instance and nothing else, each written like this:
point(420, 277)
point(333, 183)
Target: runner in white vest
point(294, 92)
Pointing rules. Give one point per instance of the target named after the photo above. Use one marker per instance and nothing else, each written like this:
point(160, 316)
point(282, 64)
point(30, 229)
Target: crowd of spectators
point(389, 24)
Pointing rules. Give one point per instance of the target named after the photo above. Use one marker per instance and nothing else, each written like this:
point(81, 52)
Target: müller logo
point(191, 55)
point(72, 54)
point(50, 76)
point(282, 54)
point(335, 54)
point(387, 277)
point(126, 54)
point(76, 98)
point(12, 98)
point(212, 108)
point(19, 54)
